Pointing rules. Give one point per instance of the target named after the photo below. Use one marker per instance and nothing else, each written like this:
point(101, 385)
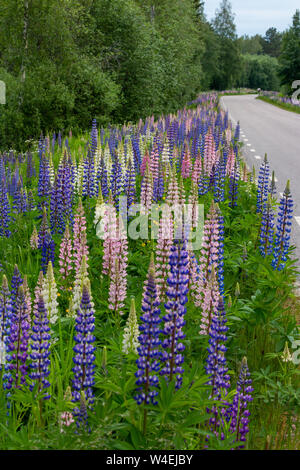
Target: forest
point(65, 62)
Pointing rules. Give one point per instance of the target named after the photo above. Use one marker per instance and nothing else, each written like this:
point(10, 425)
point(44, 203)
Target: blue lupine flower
point(217, 368)
point(263, 185)
point(238, 413)
point(266, 237)
point(84, 356)
point(283, 230)
point(174, 319)
point(148, 362)
point(40, 344)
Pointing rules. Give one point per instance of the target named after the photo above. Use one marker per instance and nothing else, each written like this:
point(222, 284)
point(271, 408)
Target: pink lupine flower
point(173, 190)
point(110, 237)
point(209, 153)
point(154, 163)
point(197, 170)
point(163, 251)
point(145, 162)
point(186, 163)
point(230, 162)
point(118, 276)
point(65, 255)
point(210, 245)
point(80, 246)
point(147, 191)
point(208, 302)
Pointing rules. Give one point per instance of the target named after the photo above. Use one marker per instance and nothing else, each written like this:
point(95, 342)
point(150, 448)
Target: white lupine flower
point(286, 355)
point(81, 278)
point(79, 175)
point(51, 171)
point(131, 331)
point(49, 293)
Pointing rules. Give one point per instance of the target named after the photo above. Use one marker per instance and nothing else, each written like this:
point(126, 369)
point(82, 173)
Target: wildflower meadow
point(147, 295)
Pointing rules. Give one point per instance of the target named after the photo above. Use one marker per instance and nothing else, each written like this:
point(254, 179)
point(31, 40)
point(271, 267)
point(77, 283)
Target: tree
point(271, 42)
point(250, 45)
point(289, 58)
point(229, 56)
point(259, 71)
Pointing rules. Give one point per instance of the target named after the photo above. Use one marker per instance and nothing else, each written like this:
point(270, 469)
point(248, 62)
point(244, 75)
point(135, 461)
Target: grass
point(285, 106)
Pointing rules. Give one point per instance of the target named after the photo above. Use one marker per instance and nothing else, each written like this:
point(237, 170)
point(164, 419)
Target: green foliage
point(289, 58)
point(259, 71)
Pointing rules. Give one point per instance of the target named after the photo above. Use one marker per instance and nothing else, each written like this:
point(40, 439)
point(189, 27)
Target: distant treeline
point(65, 62)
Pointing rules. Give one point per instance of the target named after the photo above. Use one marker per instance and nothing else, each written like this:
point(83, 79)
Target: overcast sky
point(256, 16)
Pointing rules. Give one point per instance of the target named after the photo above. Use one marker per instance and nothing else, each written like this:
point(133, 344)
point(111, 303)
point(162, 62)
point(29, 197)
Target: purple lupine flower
point(217, 370)
point(148, 362)
point(283, 232)
point(88, 186)
point(56, 214)
point(48, 251)
point(44, 185)
point(238, 413)
point(40, 344)
point(16, 282)
point(17, 344)
point(4, 210)
point(234, 185)
point(174, 319)
point(266, 238)
point(5, 311)
point(84, 356)
point(263, 185)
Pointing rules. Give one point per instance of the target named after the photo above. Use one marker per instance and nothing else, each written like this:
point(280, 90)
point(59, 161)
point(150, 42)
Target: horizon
point(256, 18)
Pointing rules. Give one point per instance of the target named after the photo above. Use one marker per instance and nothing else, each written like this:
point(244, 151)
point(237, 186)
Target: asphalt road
point(266, 129)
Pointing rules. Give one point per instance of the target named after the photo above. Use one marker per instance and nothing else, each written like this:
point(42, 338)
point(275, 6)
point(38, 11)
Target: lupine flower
point(118, 275)
point(146, 191)
point(16, 282)
point(266, 237)
point(38, 291)
point(28, 299)
point(66, 418)
point(5, 312)
point(216, 366)
point(66, 255)
point(209, 304)
point(130, 341)
point(174, 319)
point(40, 344)
point(50, 295)
point(34, 239)
point(17, 345)
point(148, 362)
point(81, 279)
point(163, 251)
point(80, 247)
point(233, 185)
point(272, 188)
point(239, 412)
point(283, 230)
point(84, 357)
point(4, 211)
point(263, 185)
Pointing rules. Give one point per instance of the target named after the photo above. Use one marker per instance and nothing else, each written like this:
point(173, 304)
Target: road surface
point(276, 132)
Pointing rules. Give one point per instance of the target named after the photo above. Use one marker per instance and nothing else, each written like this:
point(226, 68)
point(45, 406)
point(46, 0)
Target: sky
point(256, 16)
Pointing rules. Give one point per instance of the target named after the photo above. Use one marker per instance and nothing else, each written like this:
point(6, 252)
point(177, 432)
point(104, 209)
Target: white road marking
point(257, 157)
point(297, 220)
point(248, 145)
point(246, 140)
point(281, 194)
point(252, 150)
